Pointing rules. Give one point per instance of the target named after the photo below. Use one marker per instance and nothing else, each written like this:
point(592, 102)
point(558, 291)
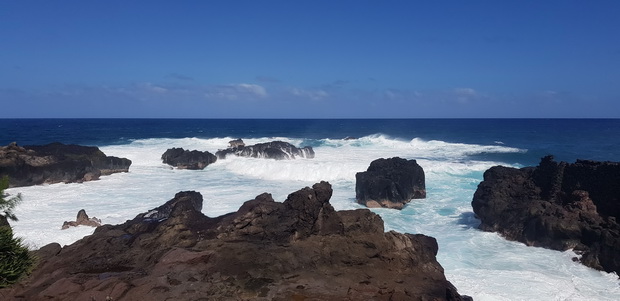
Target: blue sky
point(310, 59)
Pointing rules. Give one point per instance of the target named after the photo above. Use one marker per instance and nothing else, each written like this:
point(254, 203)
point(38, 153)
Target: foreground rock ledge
point(300, 249)
point(55, 163)
point(556, 205)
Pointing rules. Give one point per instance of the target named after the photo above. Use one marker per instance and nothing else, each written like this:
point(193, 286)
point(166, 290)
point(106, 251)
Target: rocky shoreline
point(302, 248)
point(556, 205)
point(56, 163)
point(299, 249)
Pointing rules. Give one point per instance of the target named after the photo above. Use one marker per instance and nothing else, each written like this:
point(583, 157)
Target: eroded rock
point(555, 205)
point(300, 249)
point(390, 183)
point(185, 159)
point(278, 150)
point(56, 162)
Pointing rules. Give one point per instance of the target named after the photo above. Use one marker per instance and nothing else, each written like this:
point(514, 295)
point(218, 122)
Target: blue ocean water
point(567, 139)
point(453, 152)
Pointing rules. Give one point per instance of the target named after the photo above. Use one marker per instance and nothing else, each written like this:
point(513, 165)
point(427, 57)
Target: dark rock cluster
point(390, 183)
point(56, 162)
point(278, 150)
point(185, 159)
point(556, 205)
point(300, 249)
point(82, 219)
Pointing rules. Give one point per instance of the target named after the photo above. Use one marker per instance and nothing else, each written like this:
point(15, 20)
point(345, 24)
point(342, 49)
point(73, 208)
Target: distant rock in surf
point(278, 150)
point(390, 183)
point(82, 219)
point(56, 162)
point(559, 206)
point(185, 159)
point(299, 249)
point(236, 143)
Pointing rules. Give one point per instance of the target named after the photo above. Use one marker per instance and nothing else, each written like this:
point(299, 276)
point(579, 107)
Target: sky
point(309, 59)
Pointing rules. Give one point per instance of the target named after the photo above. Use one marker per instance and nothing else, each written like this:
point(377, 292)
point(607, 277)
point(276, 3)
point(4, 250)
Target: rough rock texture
point(185, 159)
point(390, 183)
point(236, 143)
point(300, 249)
point(82, 219)
point(278, 150)
point(56, 162)
point(556, 205)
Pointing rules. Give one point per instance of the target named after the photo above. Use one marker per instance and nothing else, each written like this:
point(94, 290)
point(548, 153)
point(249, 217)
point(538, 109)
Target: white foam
point(482, 265)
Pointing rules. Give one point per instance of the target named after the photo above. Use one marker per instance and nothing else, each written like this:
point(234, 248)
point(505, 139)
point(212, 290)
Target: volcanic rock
point(236, 143)
point(82, 220)
point(301, 249)
point(185, 159)
point(390, 183)
point(278, 150)
point(559, 206)
point(56, 162)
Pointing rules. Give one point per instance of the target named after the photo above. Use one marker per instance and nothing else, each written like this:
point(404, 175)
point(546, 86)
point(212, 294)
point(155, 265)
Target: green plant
point(15, 260)
point(7, 205)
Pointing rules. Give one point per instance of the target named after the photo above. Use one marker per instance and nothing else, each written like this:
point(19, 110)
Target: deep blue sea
point(453, 152)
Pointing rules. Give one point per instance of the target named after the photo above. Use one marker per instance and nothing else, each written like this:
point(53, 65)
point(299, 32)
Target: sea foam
point(478, 263)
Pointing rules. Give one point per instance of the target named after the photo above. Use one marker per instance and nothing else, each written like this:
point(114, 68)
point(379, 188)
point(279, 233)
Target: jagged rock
point(278, 150)
point(185, 159)
point(390, 183)
point(236, 143)
point(301, 249)
point(556, 205)
point(82, 219)
point(56, 162)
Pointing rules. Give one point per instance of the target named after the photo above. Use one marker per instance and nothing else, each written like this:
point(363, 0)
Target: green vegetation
point(15, 259)
point(7, 205)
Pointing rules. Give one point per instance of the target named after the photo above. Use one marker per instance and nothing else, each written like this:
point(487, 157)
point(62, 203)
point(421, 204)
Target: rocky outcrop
point(236, 143)
point(390, 183)
point(301, 249)
point(56, 162)
point(185, 159)
point(278, 150)
point(556, 205)
point(82, 219)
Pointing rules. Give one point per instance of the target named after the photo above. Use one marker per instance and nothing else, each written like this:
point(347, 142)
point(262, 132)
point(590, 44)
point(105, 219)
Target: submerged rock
point(390, 183)
point(278, 150)
point(559, 206)
point(300, 249)
point(82, 219)
point(185, 159)
point(56, 162)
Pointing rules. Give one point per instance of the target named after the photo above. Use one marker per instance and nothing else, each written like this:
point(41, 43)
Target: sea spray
point(480, 264)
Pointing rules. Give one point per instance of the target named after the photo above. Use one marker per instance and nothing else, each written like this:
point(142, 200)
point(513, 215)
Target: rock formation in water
point(556, 205)
point(390, 183)
point(278, 150)
point(185, 159)
point(301, 249)
point(82, 219)
point(56, 162)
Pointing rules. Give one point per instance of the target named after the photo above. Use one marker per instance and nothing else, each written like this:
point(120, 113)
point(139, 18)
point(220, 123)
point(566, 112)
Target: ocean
point(453, 152)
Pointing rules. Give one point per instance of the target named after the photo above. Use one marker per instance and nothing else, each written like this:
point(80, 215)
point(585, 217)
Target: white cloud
point(149, 87)
point(465, 95)
point(236, 91)
point(311, 94)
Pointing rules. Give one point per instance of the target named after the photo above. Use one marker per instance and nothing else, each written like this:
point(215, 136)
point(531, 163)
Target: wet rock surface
point(390, 183)
point(55, 163)
point(300, 249)
point(556, 205)
point(278, 150)
point(185, 159)
point(82, 219)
